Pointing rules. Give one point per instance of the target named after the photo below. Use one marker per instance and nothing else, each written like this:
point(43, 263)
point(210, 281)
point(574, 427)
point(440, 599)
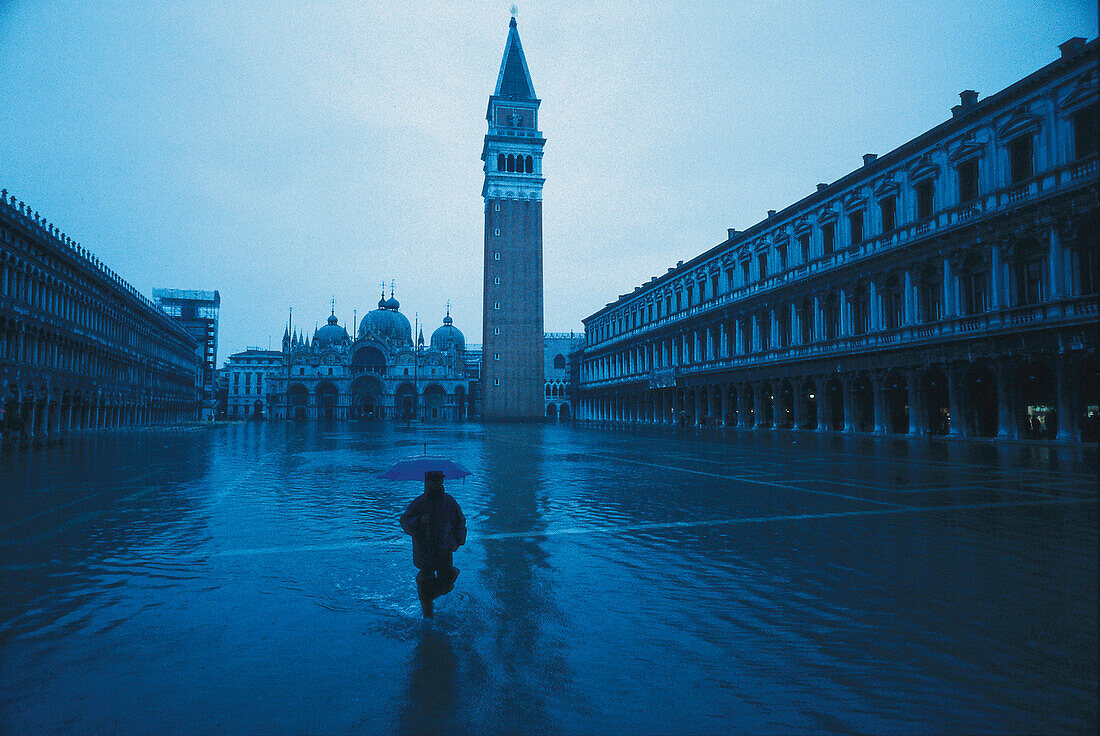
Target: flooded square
point(252, 578)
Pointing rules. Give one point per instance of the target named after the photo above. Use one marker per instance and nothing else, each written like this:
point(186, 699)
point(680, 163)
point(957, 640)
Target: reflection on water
point(431, 700)
point(253, 578)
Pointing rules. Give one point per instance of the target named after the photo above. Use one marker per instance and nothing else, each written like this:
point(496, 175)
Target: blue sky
point(288, 153)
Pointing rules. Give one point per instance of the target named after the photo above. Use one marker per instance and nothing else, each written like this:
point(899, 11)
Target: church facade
point(948, 287)
point(379, 373)
point(512, 337)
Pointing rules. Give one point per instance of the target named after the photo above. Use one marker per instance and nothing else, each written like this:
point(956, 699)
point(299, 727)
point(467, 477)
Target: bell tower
point(512, 375)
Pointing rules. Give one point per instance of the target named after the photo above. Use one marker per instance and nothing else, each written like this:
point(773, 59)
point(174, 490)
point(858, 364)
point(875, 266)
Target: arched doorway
point(327, 397)
point(404, 403)
point(1037, 401)
point(767, 402)
point(896, 390)
point(979, 400)
point(297, 399)
point(863, 402)
point(937, 409)
point(551, 412)
point(809, 399)
point(366, 398)
point(834, 402)
point(786, 405)
point(564, 414)
point(748, 409)
point(435, 400)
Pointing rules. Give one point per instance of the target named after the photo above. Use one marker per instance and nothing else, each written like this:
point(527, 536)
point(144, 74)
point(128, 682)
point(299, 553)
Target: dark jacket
point(442, 533)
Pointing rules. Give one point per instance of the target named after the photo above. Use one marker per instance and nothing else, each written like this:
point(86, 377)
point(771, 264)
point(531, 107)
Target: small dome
point(331, 334)
point(393, 304)
point(448, 336)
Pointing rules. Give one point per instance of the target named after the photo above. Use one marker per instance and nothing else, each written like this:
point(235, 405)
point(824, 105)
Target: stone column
point(723, 340)
point(1064, 401)
point(844, 329)
point(916, 415)
point(874, 307)
point(950, 292)
point(821, 382)
point(1058, 286)
point(796, 326)
point(996, 279)
point(849, 406)
point(818, 333)
point(757, 406)
point(957, 426)
point(1006, 412)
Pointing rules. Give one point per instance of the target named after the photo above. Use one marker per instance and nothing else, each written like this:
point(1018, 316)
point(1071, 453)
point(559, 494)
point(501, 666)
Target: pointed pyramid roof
point(514, 80)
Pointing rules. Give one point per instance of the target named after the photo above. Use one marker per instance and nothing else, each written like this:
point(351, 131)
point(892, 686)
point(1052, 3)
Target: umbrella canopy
point(414, 468)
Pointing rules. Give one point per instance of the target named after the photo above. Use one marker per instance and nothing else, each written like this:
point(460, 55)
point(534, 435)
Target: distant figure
point(438, 528)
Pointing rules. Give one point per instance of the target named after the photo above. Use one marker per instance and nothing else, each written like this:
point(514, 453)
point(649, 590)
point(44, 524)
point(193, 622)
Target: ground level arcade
point(1043, 397)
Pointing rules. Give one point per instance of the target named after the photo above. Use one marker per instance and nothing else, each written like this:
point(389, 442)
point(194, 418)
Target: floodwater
point(252, 578)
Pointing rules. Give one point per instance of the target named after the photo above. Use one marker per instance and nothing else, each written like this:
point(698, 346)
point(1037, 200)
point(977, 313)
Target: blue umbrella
point(414, 468)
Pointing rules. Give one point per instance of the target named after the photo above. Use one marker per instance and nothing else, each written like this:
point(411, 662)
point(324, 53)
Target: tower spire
point(514, 79)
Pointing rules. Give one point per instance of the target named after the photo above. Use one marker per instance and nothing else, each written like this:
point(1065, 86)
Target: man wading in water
point(438, 528)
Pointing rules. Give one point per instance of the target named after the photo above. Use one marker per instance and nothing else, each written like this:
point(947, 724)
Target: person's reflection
point(430, 703)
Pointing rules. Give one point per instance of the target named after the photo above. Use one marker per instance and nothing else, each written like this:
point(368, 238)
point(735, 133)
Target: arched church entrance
point(404, 403)
point(327, 397)
point(366, 398)
point(435, 402)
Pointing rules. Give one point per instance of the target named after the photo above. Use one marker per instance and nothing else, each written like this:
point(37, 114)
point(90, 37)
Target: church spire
point(514, 79)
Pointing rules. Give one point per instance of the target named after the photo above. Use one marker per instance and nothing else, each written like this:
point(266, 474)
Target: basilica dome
point(387, 323)
point(448, 336)
point(331, 334)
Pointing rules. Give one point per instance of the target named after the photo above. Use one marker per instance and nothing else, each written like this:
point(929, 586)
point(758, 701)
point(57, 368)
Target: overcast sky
point(285, 153)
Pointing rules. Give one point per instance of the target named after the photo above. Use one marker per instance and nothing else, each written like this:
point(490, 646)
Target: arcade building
point(948, 287)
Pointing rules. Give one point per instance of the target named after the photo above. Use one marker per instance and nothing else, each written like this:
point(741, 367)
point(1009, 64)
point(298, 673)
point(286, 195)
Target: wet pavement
point(252, 578)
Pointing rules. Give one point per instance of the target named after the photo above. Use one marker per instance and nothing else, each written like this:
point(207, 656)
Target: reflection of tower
point(512, 361)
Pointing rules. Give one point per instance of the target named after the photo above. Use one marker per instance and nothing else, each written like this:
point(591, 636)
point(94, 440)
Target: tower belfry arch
point(512, 362)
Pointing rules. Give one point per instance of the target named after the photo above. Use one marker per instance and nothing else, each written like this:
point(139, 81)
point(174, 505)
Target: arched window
point(1027, 285)
point(929, 299)
point(893, 305)
point(861, 310)
point(974, 277)
point(511, 163)
point(559, 361)
point(806, 321)
point(548, 391)
point(501, 162)
point(529, 165)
